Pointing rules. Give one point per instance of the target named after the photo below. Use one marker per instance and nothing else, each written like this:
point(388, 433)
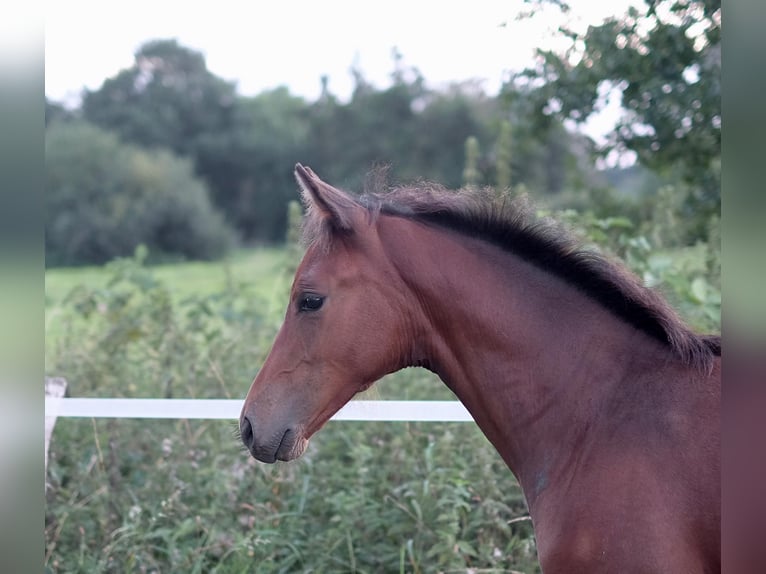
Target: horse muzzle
point(285, 444)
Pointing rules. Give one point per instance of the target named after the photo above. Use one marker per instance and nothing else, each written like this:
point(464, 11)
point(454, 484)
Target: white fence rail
point(56, 406)
point(415, 411)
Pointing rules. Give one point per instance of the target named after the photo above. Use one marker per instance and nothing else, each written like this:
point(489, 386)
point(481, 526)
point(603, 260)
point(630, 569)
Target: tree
point(376, 127)
point(104, 198)
point(244, 148)
point(55, 112)
point(503, 157)
point(446, 121)
point(250, 166)
point(666, 61)
point(543, 155)
point(470, 173)
point(168, 98)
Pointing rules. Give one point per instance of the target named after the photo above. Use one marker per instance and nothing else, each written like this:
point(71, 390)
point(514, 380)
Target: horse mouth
point(291, 445)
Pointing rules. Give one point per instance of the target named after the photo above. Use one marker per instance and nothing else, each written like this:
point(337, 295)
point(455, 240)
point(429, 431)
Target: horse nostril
point(246, 432)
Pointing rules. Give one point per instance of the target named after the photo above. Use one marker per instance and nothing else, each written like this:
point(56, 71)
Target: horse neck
point(531, 358)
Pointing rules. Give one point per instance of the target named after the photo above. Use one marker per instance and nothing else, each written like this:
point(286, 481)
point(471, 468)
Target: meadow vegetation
point(147, 177)
point(159, 496)
point(182, 496)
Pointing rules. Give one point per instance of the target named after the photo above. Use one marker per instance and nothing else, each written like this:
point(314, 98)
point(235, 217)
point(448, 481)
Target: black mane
point(511, 226)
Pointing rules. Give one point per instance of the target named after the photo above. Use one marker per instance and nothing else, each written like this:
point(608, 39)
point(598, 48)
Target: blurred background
point(171, 132)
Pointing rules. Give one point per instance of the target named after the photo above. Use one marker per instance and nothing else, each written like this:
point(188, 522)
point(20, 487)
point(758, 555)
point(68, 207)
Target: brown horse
point(600, 400)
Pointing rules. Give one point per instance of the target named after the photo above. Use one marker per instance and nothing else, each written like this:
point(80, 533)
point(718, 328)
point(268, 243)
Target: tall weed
point(181, 496)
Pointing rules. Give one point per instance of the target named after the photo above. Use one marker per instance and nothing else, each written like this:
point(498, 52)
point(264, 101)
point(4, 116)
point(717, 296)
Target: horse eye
point(311, 302)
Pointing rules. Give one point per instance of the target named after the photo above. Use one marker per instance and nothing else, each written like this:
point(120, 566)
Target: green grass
point(264, 270)
point(262, 267)
point(182, 496)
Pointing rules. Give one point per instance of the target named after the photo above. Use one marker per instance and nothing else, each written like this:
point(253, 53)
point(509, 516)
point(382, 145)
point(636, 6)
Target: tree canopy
point(244, 147)
point(664, 61)
point(104, 198)
point(167, 98)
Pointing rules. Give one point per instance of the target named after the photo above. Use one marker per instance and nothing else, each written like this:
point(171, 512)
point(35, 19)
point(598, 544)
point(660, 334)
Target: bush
point(688, 276)
point(181, 496)
point(104, 198)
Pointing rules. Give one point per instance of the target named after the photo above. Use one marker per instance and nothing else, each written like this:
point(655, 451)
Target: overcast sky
point(262, 45)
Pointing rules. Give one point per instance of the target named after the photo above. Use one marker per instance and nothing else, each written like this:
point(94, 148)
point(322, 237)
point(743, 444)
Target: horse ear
point(321, 199)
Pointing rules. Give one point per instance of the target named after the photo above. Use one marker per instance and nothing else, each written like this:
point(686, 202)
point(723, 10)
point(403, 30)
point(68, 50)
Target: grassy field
point(182, 496)
point(264, 269)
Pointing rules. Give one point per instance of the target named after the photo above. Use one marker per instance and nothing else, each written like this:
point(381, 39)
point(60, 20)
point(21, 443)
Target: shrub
point(104, 198)
point(181, 496)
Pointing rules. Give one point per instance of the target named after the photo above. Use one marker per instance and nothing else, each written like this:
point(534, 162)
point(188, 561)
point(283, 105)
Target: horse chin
point(294, 449)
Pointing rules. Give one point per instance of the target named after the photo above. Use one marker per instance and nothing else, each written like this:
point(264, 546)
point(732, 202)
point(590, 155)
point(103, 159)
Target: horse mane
point(512, 225)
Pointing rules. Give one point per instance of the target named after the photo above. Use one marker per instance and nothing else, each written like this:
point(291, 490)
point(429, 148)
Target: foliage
point(504, 155)
point(371, 497)
point(249, 166)
point(665, 61)
point(665, 64)
point(441, 128)
point(690, 276)
point(244, 148)
point(182, 496)
point(104, 198)
point(55, 112)
point(470, 173)
point(167, 99)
